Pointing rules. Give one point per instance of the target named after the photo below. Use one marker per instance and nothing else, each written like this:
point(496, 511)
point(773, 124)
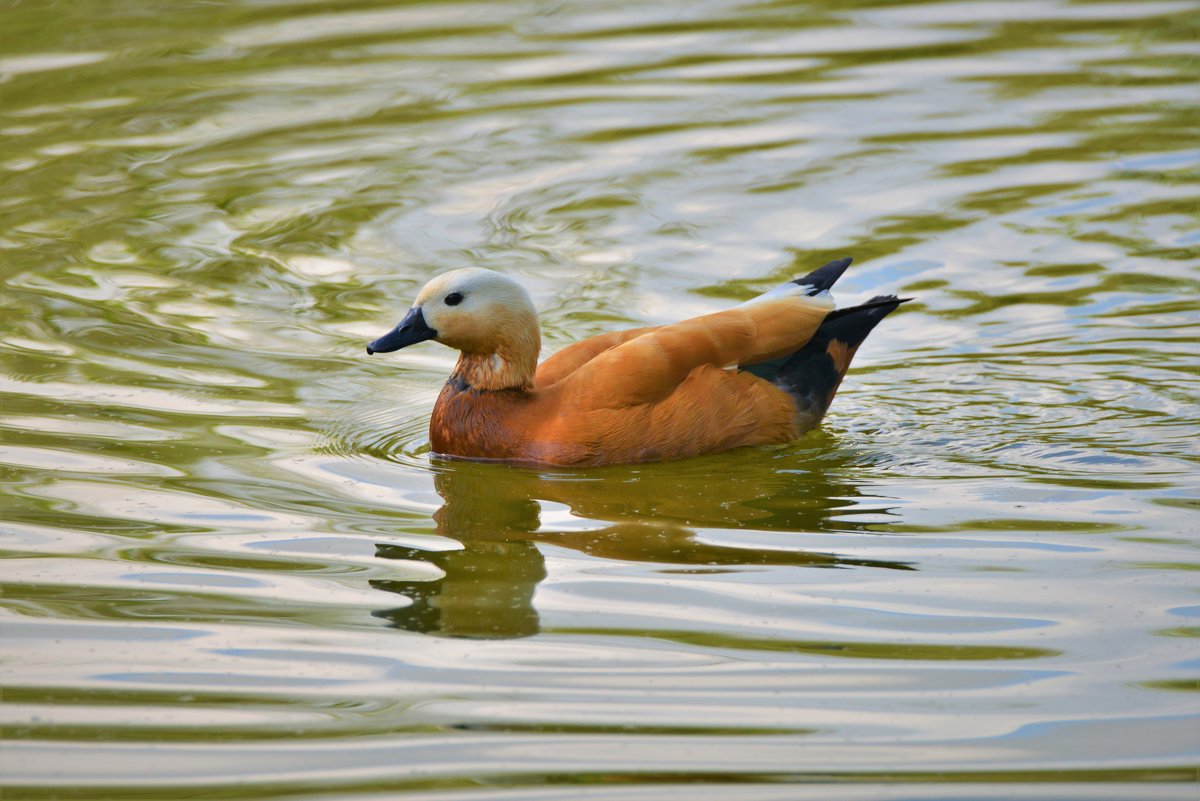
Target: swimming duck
point(759, 373)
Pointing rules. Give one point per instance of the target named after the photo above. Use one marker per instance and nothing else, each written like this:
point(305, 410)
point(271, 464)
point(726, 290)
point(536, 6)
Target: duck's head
point(479, 312)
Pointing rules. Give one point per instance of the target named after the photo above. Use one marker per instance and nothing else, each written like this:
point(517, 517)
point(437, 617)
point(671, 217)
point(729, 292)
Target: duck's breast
point(511, 425)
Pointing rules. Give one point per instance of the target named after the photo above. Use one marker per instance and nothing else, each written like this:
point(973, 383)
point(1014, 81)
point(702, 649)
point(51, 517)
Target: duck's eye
point(453, 299)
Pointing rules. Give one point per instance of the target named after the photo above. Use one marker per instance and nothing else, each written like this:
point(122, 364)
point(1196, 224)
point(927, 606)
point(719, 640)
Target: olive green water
point(235, 571)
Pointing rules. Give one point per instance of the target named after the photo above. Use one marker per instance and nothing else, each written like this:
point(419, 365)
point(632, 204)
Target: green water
point(235, 571)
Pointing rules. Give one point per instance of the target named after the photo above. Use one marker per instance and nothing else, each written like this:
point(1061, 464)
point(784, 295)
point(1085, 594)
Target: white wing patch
point(822, 298)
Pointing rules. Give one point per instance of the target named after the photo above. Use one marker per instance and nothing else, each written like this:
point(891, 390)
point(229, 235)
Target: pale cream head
point(480, 311)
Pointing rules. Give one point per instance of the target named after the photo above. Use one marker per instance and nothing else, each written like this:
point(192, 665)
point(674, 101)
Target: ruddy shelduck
point(759, 373)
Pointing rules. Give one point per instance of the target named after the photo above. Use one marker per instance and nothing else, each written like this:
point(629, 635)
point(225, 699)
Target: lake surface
point(234, 570)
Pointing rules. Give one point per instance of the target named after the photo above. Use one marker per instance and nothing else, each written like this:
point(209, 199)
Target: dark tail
point(814, 283)
point(824, 277)
point(812, 374)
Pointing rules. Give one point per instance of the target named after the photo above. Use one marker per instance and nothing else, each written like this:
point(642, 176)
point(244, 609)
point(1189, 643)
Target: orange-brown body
point(759, 373)
point(650, 394)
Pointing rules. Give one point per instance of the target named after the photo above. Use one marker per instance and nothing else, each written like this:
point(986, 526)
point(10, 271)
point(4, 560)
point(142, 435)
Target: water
point(234, 569)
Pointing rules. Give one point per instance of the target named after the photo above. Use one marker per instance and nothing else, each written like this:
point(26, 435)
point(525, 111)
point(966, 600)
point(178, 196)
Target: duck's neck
point(505, 368)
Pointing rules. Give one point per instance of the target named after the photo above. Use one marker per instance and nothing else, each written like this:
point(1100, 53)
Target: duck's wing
point(777, 331)
point(574, 356)
point(647, 368)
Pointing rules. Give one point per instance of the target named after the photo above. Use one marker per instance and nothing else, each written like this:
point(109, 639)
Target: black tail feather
point(812, 374)
point(851, 334)
point(890, 302)
point(824, 277)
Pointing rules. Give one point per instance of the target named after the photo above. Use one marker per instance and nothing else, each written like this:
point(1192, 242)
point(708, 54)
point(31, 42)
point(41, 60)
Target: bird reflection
point(487, 586)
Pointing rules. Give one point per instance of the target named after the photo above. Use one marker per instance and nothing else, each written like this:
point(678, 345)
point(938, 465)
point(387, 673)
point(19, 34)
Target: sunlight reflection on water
point(227, 540)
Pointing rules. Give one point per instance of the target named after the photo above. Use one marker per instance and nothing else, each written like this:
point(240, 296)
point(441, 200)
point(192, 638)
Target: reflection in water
point(487, 586)
point(487, 590)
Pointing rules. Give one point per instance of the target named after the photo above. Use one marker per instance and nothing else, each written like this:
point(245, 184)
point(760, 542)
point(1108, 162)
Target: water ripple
point(226, 537)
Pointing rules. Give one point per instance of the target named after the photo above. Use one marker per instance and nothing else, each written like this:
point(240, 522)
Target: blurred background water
point(233, 569)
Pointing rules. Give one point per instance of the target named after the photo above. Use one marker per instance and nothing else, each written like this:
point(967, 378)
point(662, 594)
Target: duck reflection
point(495, 512)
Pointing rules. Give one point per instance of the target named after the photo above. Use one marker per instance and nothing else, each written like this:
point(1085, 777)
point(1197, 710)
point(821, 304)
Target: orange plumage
point(762, 372)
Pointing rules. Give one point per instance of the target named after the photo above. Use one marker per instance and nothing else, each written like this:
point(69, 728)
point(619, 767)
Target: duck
point(760, 373)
